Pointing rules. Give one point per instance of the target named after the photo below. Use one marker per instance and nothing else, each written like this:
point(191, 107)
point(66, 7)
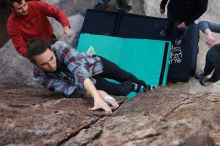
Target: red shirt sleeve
point(52, 11)
point(17, 39)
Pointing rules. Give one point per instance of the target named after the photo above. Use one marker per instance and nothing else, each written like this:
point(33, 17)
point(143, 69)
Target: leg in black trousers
point(208, 64)
point(113, 71)
point(118, 89)
point(170, 24)
point(213, 63)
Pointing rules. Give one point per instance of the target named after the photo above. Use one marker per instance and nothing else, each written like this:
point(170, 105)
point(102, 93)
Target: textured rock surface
point(13, 67)
point(75, 10)
point(161, 117)
point(32, 116)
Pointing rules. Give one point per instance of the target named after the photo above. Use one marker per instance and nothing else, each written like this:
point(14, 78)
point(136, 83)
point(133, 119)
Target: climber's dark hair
point(36, 47)
point(10, 2)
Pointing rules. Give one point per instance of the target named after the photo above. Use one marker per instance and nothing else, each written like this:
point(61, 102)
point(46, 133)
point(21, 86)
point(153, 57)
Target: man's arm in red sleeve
point(19, 44)
point(52, 11)
point(18, 41)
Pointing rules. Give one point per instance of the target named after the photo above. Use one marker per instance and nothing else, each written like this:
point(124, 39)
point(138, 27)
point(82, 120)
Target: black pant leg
point(121, 89)
point(171, 22)
point(113, 71)
point(208, 65)
point(213, 57)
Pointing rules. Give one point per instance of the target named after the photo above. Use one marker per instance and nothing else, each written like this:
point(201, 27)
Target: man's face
point(20, 8)
point(46, 61)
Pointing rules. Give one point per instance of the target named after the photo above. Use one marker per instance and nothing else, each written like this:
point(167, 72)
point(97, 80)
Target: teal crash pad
point(147, 59)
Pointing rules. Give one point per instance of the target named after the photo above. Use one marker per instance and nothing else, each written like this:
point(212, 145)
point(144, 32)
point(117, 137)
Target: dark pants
point(113, 71)
point(213, 63)
point(173, 21)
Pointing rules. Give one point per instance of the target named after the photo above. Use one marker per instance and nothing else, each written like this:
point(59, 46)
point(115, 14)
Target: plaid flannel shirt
point(73, 68)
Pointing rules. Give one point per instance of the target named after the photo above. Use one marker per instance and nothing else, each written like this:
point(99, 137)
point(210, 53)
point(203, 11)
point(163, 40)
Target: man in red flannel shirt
point(29, 21)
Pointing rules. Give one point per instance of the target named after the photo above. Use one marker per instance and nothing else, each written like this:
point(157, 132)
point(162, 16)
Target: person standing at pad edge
point(212, 63)
point(180, 14)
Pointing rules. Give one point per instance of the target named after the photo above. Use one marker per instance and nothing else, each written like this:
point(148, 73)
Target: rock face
point(21, 69)
point(33, 116)
point(13, 68)
point(161, 117)
point(30, 118)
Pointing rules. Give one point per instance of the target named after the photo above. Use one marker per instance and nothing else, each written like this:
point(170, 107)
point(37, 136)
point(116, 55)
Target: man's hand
point(162, 11)
point(99, 103)
point(182, 25)
point(68, 32)
point(210, 40)
point(98, 100)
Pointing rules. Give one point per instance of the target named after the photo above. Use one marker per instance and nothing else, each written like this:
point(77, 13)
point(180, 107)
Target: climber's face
point(46, 61)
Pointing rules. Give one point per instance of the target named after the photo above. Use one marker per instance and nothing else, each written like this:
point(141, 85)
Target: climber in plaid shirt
point(63, 70)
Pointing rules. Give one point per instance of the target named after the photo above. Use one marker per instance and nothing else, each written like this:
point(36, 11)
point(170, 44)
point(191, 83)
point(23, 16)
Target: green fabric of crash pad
point(142, 57)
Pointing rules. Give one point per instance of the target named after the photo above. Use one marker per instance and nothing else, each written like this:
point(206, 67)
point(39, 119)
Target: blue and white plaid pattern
point(73, 68)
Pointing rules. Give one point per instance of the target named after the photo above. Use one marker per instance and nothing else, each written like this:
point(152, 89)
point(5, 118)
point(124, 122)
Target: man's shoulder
point(61, 48)
point(60, 45)
point(37, 71)
point(12, 21)
point(38, 4)
point(34, 2)
point(11, 17)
